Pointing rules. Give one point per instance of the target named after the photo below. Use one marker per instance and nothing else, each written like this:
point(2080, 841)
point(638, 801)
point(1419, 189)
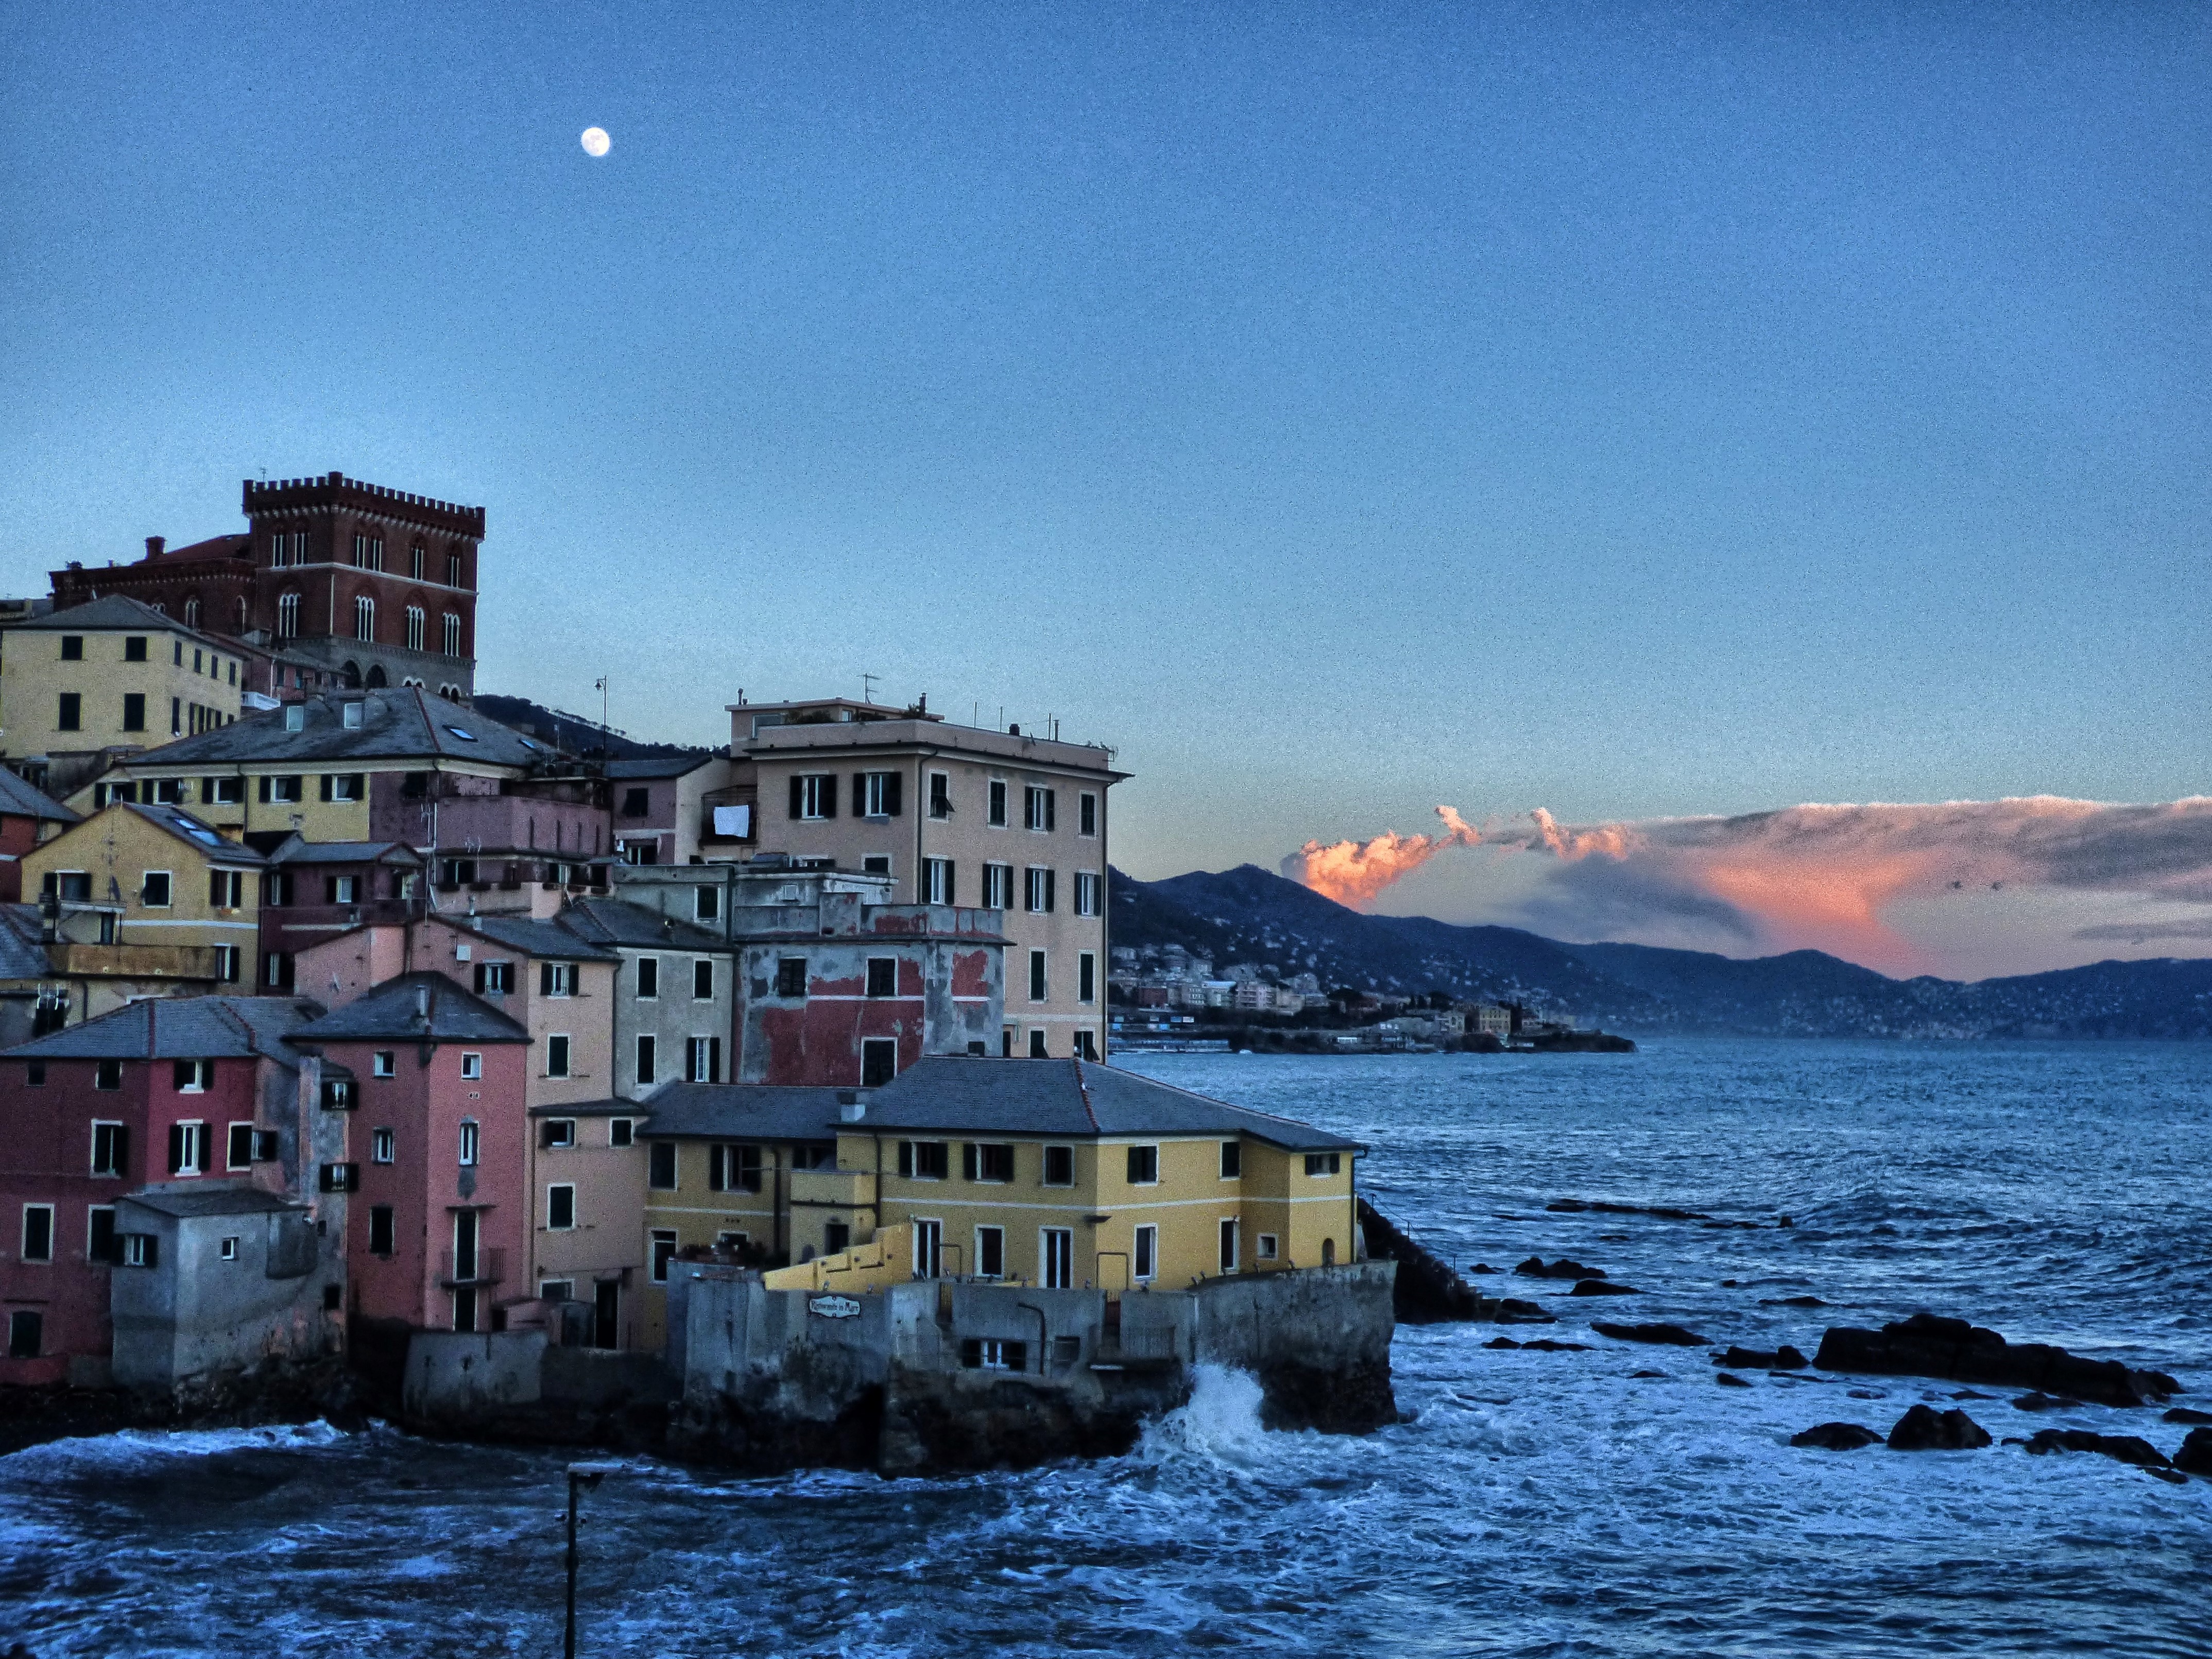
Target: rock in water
point(2184, 1414)
point(1836, 1436)
point(1925, 1345)
point(1728, 1382)
point(2195, 1456)
point(1922, 1429)
point(1602, 1287)
point(2044, 1402)
point(2126, 1447)
point(1534, 1267)
point(1501, 1342)
point(1546, 1345)
point(1673, 1335)
point(1783, 1359)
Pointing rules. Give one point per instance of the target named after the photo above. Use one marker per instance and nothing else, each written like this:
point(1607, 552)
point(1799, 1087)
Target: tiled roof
point(659, 766)
point(398, 723)
point(535, 937)
point(744, 1111)
point(19, 799)
point(1071, 1097)
point(185, 1202)
point(617, 922)
point(114, 613)
point(345, 852)
point(418, 1007)
point(22, 943)
point(182, 1028)
point(202, 836)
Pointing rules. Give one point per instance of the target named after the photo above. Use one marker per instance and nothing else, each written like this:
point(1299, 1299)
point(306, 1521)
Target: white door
point(928, 1241)
point(1056, 1249)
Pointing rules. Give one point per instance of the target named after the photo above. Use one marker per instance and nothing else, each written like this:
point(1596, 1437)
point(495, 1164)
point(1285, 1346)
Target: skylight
point(465, 737)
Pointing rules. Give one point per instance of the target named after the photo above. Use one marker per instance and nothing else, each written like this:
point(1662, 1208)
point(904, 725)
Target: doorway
point(929, 1244)
point(606, 1315)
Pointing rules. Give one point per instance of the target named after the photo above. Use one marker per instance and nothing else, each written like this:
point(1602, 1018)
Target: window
point(188, 1148)
point(338, 1094)
point(924, 1160)
point(1144, 1166)
point(1036, 896)
point(383, 1146)
point(928, 1248)
point(876, 864)
point(878, 1061)
point(660, 1166)
point(647, 1058)
point(1147, 1262)
point(702, 980)
point(995, 812)
point(177, 716)
point(141, 1251)
point(223, 792)
point(987, 1160)
point(454, 570)
point(1036, 1044)
point(369, 552)
point(1037, 987)
point(414, 628)
point(1087, 1044)
point(384, 1063)
point(937, 882)
point(1324, 1164)
point(38, 1232)
point(380, 1230)
point(154, 890)
point(1038, 809)
point(26, 1332)
point(134, 711)
point(110, 1148)
point(238, 1150)
point(226, 960)
point(1086, 815)
point(453, 634)
point(69, 717)
point(72, 648)
point(883, 976)
point(733, 1168)
point(1086, 976)
point(836, 1237)
point(998, 886)
point(341, 889)
point(1059, 1166)
point(199, 665)
point(703, 1059)
point(166, 792)
point(227, 889)
point(648, 978)
point(706, 903)
point(288, 616)
point(228, 1250)
point(1232, 1159)
point(1228, 1246)
point(556, 979)
point(99, 1234)
point(560, 1208)
point(790, 976)
point(471, 1142)
point(940, 795)
point(282, 791)
point(556, 1055)
point(814, 795)
point(1056, 1251)
point(620, 1130)
point(1086, 893)
point(560, 1132)
point(364, 618)
point(108, 1074)
point(494, 978)
point(344, 786)
point(990, 1252)
point(663, 1251)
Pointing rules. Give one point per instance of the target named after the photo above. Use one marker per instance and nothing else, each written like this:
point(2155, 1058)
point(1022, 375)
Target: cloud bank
point(1810, 876)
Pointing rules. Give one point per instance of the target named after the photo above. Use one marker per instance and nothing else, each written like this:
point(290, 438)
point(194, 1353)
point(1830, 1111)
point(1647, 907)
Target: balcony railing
point(485, 1265)
point(843, 1188)
point(135, 961)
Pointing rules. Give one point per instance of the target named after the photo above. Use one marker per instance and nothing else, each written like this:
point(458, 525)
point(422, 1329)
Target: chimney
point(154, 544)
point(422, 1004)
point(850, 1108)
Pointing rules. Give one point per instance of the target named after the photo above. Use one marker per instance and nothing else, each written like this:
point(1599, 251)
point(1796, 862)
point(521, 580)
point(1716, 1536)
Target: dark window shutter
point(714, 1168)
point(894, 792)
point(545, 979)
point(122, 1133)
point(967, 1160)
point(1051, 798)
point(263, 791)
point(796, 785)
point(1048, 884)
point(327, 785)
point(830, 794)
point(480, 978)
point(360, 785)
point(906, 1158)
point(176, 1147)
point(330, 889)
point(860, 793)
point(714, 1059)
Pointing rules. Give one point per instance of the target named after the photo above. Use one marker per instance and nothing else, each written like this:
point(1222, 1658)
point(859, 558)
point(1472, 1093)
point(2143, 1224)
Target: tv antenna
point(868, 687)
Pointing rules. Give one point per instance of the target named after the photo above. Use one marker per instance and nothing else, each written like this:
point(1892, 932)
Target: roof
point(215, 547)
point(1073, 1097)
point(113, 613)
point(662, 765)
point(744, 1111)
point(295, 851)
point(201, 835)
point(397, 722)
point(182, 1028)
point(185, 1202)
point(591, 1108)
point(618, 921)
point(538, 936)
point(22, 943)
point(19, 799)
point(418, 1007)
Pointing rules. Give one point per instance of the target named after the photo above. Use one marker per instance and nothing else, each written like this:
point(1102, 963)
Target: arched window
point(364, 617)
point(240, 609)
point(415, 625)
point(413, 680)
point(454, 568)
point(415, 563)
point(288, 616)
point(376, 676)
point(191, 613)
point(453, 634)
point(350, 675)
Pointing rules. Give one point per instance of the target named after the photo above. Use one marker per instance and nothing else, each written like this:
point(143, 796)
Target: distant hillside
point(572, 734)
point(1251, 915)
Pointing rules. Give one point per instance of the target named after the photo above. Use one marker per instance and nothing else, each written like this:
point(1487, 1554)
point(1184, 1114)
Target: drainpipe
point(1030, 1307)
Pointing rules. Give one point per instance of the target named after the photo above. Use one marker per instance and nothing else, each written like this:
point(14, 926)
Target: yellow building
point(157, 882)
point(113, 674)
point(1062, 1174)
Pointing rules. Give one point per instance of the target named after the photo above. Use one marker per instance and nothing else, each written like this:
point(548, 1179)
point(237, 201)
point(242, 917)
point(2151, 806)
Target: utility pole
point(601, 683)
point(580, 1475)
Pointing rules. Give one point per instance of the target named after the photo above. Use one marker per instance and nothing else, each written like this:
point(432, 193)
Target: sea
point(1612, 1500)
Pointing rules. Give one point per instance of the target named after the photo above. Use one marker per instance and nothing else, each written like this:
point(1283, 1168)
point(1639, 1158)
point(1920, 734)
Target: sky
point(1648, 414)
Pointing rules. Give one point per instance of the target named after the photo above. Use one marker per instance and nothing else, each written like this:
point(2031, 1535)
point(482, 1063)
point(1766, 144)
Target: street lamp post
point(581, 1475)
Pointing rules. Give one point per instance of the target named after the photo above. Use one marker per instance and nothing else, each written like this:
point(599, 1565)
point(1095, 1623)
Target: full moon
point(596, 142)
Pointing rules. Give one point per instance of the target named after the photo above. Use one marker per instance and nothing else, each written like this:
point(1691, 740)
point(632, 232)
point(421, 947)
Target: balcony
point(485, 1265)
point(496, 826)
point(134, 961)
point(844, 1189)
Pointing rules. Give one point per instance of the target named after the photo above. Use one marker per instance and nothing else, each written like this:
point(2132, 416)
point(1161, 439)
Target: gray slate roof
point(195, 832)
point(182, 1028)
point(391, 1011)
point(537, 937)
point(22, 943)
point(185, 1202)
point(617, 922)
point(744, 1111)
point(398, 723)
point(658, 766)
point(1071, 1097)
point(116, 613)
point(345, 852)
point(19, 799)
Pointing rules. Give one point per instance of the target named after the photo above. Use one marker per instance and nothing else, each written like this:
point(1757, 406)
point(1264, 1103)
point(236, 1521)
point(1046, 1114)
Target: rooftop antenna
point(868, 687)
point(601, 685)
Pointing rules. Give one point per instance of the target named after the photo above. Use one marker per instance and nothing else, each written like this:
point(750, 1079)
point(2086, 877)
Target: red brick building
point(370, 586)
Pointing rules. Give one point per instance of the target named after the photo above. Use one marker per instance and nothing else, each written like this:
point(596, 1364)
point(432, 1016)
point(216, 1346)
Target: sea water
point(1536, 1503)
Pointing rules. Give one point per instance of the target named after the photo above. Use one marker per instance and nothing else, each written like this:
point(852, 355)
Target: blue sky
point(1631, 410)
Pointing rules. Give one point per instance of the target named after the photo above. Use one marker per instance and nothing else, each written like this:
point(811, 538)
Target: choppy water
point(1539, 1504)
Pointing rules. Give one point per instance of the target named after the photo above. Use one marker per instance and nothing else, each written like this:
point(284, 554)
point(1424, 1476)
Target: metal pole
point(569, 1644)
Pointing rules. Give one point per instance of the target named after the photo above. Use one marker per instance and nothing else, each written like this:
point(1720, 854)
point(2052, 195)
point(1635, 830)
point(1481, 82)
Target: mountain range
point(1249, 914)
